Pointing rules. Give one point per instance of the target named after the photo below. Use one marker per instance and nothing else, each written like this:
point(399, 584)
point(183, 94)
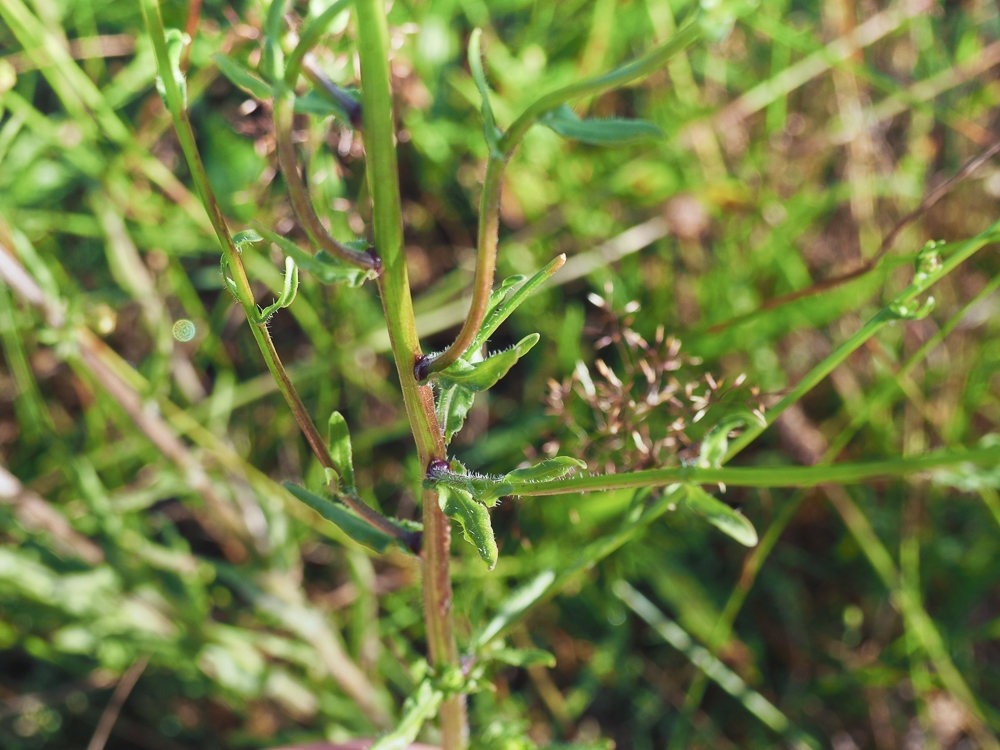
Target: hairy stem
point(489, 206)
point(383, 178)
point(783, 476)
point(486, 263)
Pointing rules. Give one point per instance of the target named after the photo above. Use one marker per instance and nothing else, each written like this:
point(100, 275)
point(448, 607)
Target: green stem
point(383, 178)
point(297, 193)
point(489, 206)
point(649, 63)
point(778, 476)
point(244, 294)
point(890, 386)
point(308, 38)
point(486, 263)
point(921, 282)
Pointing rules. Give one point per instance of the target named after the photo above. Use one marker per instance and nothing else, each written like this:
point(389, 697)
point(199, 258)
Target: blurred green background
point(141, 511)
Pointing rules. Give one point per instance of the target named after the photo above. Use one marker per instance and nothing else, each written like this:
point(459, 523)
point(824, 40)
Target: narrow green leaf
point(176, 40)
point(715, 445)
point(500, 311)
point(322, 266)
point(474, 520)
point(291, 286)
point(485, 374)
point(490, 130)
point(419, 708)
point(242, 77)
point(515, 606)
point(453, 404)
point(499, 294)
point(314, 103)
point(288, 292)
point(229, 283)
point(714, 669)
point(309, 35)
point(550, 468)
point(246, 237)
point(351, 524)
point(339, 447)
point(610, 132)
point(272, 63)
point(518, 657)
point(720, 515)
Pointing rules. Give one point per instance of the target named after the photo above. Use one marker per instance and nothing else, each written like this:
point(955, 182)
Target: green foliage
point(491, 132)
point(605, 132)
point(420, 707)
point(322, 265)
point(176, 42)
point(339, 446)
point(242, 77)
point(142, 507)
point(459, 383)
point(474, 520)
point(720, 515)
point(350, 523)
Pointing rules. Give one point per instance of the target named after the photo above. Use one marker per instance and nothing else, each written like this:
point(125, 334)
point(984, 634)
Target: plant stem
point(778, 476)
point(309, 36)
point(244, 294)
point(489, 205)
point(486, 263)
point(921, 282)
point(301, 203)
point(383, 178)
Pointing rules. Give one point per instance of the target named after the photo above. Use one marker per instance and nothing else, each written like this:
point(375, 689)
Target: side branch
point(489, 208)
point(784, 476)
point(301, 203)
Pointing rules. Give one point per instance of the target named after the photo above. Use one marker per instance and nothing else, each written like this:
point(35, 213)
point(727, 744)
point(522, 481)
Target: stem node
point(422, 368)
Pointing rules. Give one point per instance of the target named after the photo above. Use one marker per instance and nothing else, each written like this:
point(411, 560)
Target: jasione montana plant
point(438, 389)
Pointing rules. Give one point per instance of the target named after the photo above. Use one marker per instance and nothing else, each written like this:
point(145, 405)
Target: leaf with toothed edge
point(485, 374)
point(453, 404)
point(474, 520)
point(550, 468)
point(458, 384)
point(482, 488)
point(454, 399)
point(508, 299)
point(487, 489)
